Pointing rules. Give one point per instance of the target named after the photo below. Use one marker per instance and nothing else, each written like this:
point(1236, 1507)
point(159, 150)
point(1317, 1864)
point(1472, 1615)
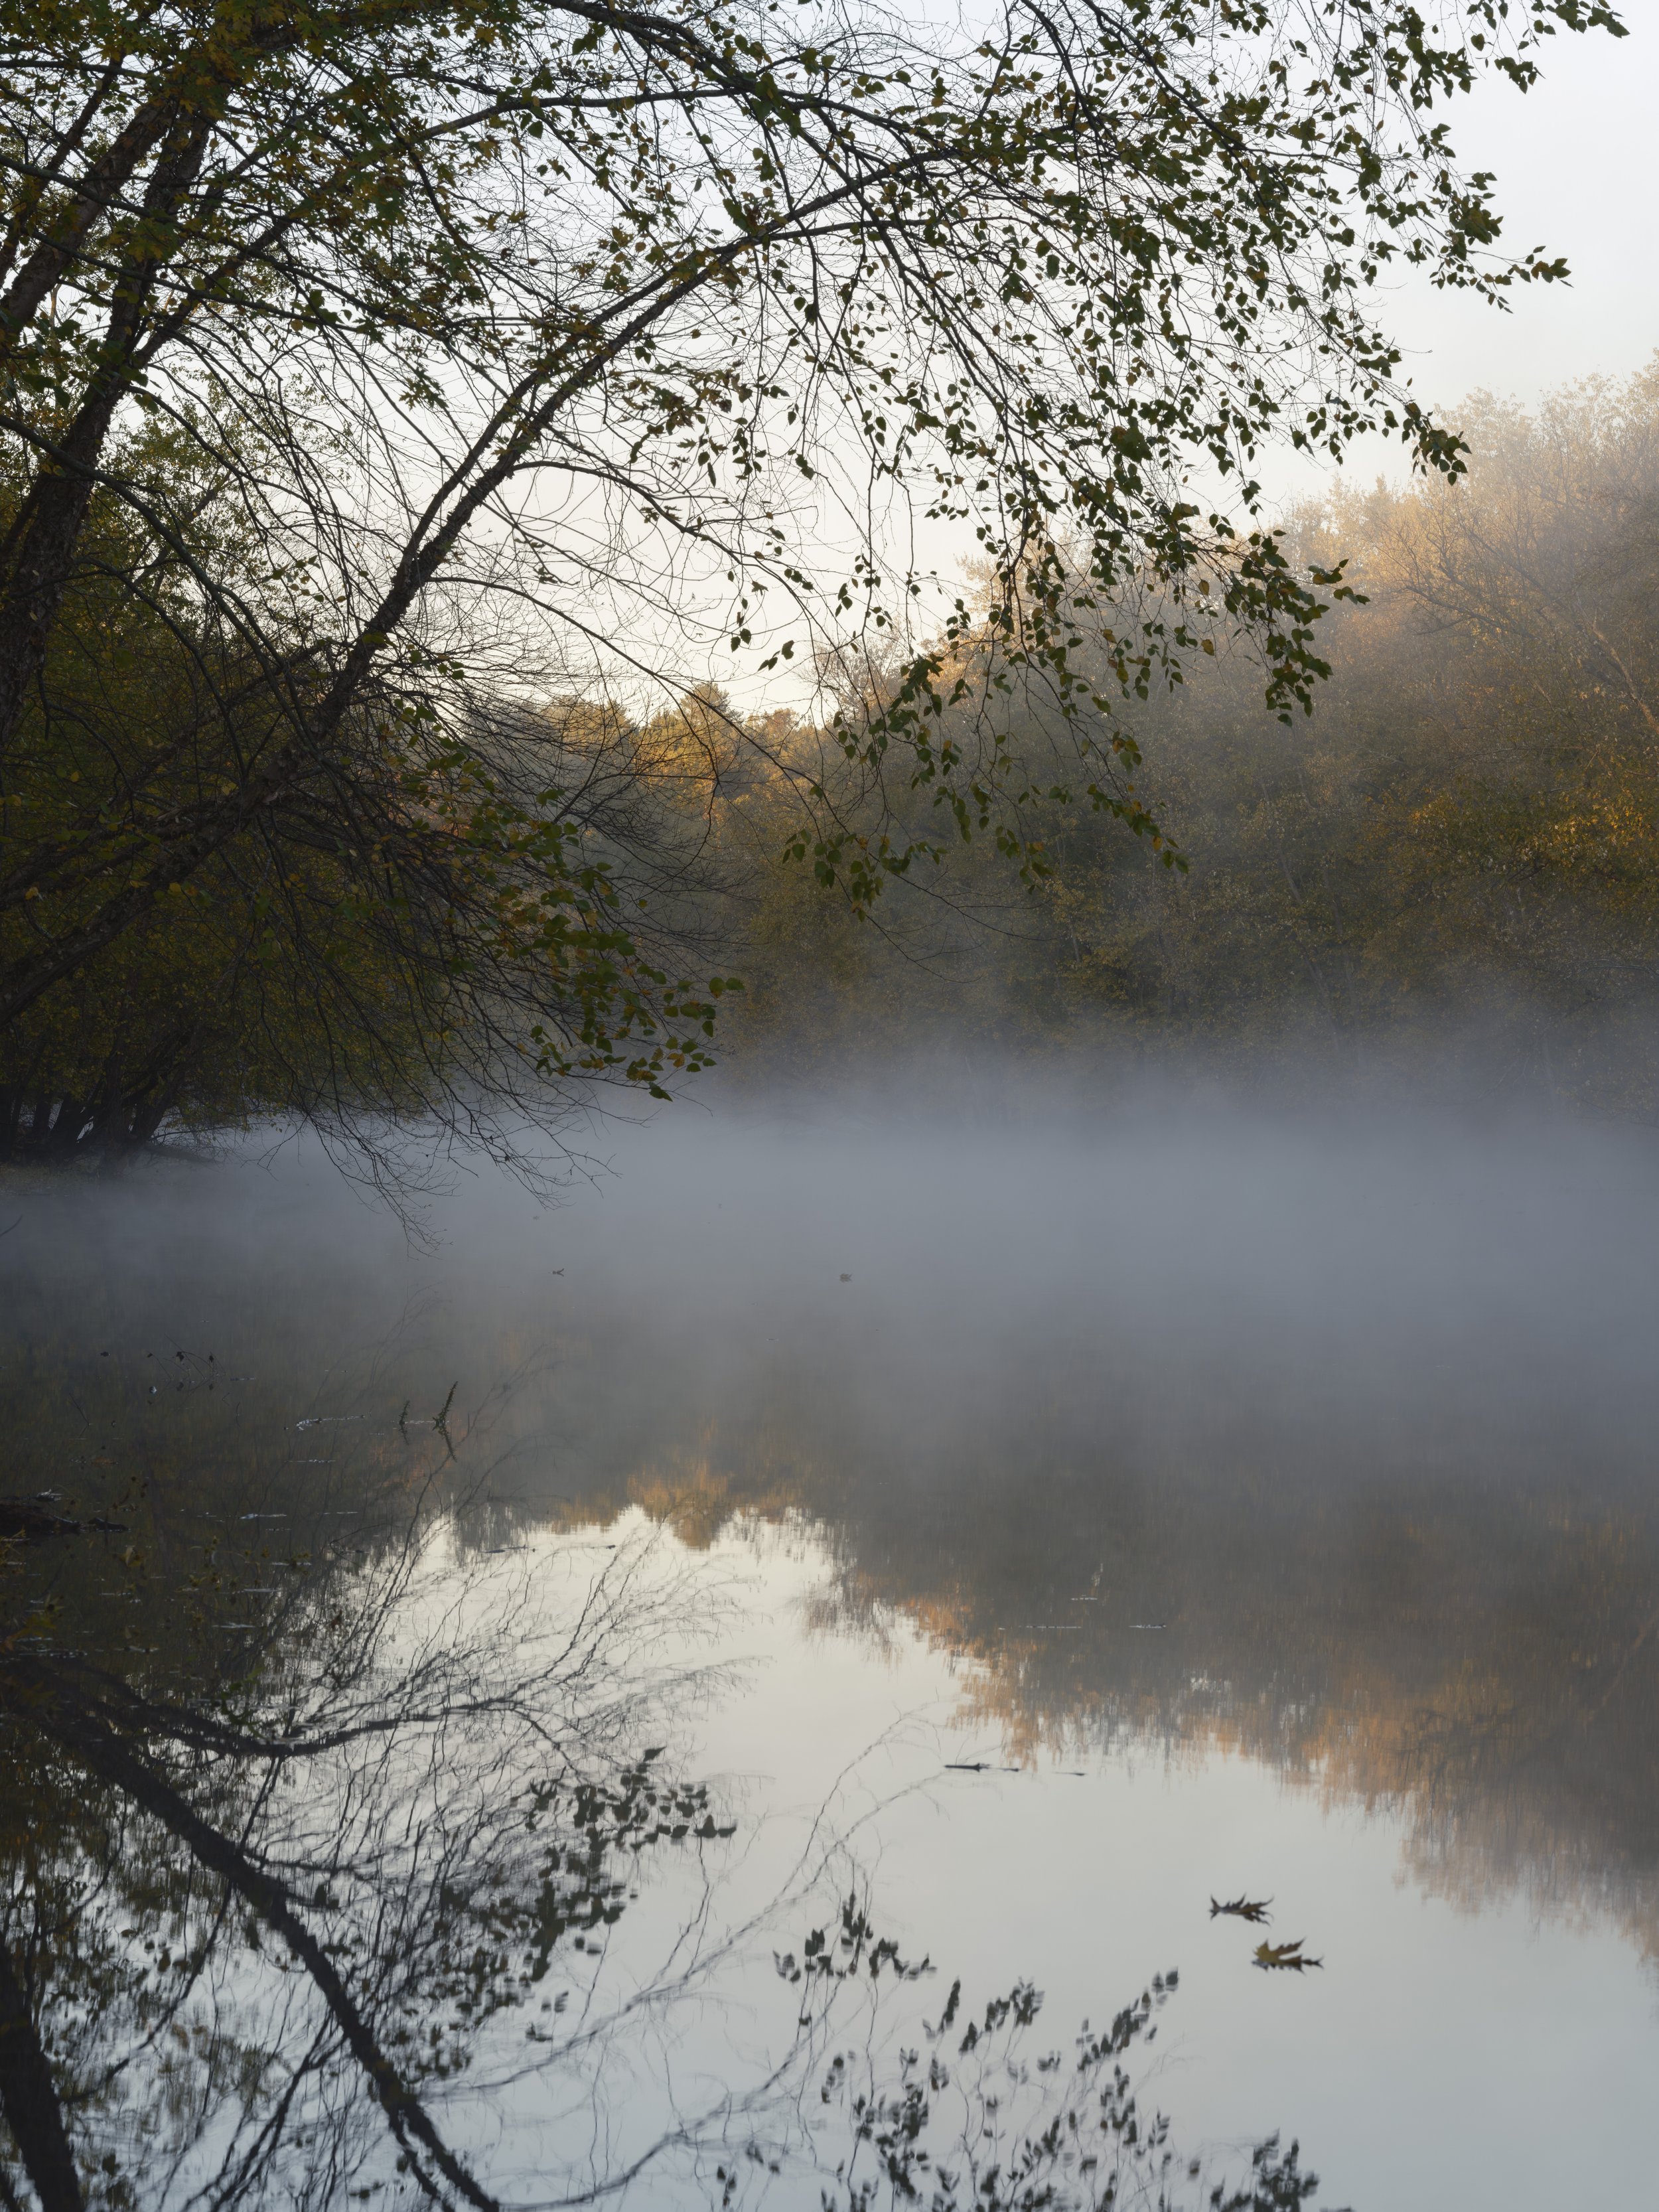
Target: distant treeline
point(1465, 825)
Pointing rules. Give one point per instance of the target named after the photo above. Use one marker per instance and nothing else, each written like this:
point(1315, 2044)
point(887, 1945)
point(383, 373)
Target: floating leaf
point(1287, 1957)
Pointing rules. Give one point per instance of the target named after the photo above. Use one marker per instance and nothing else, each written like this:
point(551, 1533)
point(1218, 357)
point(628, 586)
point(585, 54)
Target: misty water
point(1039, 1518)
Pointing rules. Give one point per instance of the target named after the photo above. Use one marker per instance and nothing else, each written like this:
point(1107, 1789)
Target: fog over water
point(1260, 1488)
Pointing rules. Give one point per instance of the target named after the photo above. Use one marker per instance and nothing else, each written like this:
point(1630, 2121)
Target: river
point(1038, 1523)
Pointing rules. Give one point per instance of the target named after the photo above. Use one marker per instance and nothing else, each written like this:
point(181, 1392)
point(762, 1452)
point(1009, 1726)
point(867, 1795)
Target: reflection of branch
point(235, 2187)
point(98, 1748)
point(126, 1709)
point(29, 2099)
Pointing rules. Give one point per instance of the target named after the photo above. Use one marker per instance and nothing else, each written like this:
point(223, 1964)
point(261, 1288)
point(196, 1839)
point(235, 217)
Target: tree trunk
point(28, 2098)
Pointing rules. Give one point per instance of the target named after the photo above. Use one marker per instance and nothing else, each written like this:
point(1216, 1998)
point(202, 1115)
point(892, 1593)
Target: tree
point(434, 969)
point(388, 363)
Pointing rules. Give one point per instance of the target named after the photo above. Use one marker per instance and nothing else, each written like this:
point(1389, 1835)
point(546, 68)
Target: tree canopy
point(374, 374)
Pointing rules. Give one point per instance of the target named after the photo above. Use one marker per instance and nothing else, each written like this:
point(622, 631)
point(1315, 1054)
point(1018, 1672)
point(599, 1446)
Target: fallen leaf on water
point(1287, 1956)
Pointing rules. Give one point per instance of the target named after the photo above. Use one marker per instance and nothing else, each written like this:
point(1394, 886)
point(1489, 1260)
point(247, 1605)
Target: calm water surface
point(1264, 1504)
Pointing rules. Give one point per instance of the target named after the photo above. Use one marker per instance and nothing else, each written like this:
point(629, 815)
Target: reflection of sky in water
point(1418, 2068)
point(1359, 1409)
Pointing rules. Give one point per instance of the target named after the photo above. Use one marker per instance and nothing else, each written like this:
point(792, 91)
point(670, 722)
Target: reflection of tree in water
point(245, 1920)
point(317, 1822)
point(1477, 1652)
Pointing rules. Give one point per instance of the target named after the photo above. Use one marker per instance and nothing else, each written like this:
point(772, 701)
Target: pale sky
point(1577, 161)
point(1577, 168)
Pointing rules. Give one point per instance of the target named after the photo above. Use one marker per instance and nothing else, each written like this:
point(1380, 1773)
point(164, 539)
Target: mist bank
point(1167, 1215)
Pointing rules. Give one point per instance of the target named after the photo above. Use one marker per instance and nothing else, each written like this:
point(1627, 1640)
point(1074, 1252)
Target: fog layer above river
point(1346, 1291)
